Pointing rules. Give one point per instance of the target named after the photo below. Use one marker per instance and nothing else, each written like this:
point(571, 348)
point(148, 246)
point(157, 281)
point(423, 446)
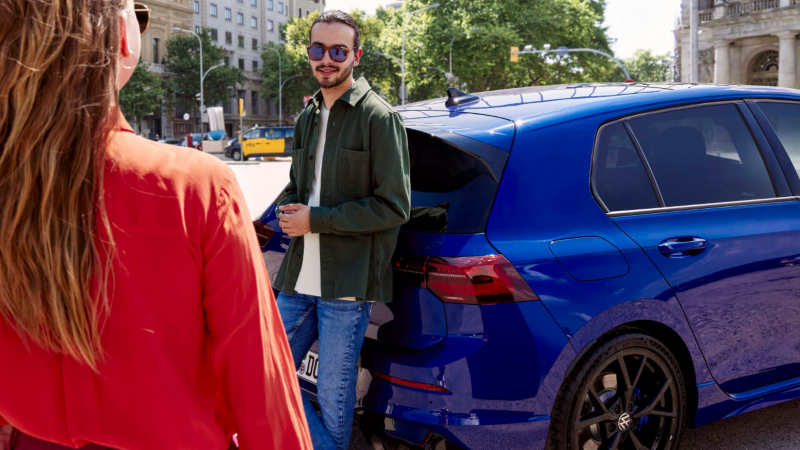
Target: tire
point(589, 409)
point(236, 155)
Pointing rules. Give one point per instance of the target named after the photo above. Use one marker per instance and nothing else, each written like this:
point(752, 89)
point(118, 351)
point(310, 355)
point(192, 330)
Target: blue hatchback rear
point(586, 267)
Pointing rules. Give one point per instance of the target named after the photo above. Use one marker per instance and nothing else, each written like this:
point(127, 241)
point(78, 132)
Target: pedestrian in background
point(120, 325)
point(348, 194)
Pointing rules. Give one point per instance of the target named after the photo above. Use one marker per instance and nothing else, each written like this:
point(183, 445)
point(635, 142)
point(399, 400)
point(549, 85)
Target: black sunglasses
point(338, 52)
point(142, 16)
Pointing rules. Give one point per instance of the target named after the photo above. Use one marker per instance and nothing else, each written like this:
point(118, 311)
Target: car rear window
point(453, 184)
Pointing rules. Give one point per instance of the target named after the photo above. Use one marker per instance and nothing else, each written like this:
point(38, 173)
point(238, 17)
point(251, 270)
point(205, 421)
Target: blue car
point(587, 267)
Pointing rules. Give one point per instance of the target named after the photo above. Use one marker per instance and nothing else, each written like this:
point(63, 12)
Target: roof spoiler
point(456, 97)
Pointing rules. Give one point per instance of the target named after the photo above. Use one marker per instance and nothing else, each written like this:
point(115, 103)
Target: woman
point(135, 310)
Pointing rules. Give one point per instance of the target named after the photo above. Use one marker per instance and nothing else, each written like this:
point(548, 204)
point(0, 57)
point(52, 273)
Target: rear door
point(726, 235)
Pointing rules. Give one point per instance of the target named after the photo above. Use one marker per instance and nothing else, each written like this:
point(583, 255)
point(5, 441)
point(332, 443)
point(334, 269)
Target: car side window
point(620, 179)
point(785, 120)
point(703, 155)
point(251, 134)
point(278, 134)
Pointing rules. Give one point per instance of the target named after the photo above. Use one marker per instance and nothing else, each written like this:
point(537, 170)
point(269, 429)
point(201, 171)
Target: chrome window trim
point(666, 209)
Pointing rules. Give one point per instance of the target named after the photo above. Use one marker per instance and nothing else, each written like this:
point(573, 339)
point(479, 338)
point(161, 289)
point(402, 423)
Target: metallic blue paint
point(503, 365)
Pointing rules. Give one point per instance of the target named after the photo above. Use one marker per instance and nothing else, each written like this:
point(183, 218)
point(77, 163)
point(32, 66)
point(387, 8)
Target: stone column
point(719, 9)
point(722, 62)
point(787, 70)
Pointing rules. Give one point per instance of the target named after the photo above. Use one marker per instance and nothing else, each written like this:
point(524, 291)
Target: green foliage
point(647, 67)
point(183, 61)
point(141, 96)
point(480, 58)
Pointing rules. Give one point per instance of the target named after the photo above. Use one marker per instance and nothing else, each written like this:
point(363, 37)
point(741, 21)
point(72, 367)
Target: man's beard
point(334, 81)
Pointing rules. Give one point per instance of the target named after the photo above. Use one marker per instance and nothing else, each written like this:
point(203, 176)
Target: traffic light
point(514, 56)
point(241, 106)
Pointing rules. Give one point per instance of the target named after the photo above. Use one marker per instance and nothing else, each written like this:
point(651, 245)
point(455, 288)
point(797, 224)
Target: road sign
point(514, 56)
point(185, 116)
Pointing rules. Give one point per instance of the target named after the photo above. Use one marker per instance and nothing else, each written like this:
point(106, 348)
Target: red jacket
point(195, 348)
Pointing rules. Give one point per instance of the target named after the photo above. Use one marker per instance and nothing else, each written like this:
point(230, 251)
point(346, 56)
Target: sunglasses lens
point(315, 52)
point(338, 54)
point(142, 16)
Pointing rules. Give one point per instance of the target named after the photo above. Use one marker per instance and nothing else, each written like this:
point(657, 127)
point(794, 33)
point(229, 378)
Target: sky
point(635, 24)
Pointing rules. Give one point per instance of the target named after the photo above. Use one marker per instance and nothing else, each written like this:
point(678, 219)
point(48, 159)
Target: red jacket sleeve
point(250, 353)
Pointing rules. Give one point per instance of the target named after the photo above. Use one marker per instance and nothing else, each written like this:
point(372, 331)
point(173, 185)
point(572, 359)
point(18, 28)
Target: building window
point(214, 10)
point(300, 12)
point(255, 44)
point(255, 66)
point(240, 18)
point(269, 5)
point(270, 25)
point(253, 22)
point(214, 34)
point(227, 14)
point(241, 63)
point(241, 41)
point(253, 3)
point(196, 7)
point(306, 13)
point(254, 102)
point(280, 7)
point(228, 37)
point(197, 29)
point(155, 50)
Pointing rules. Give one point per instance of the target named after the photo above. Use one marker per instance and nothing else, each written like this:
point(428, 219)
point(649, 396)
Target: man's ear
point(357, 56)
point(123, 36)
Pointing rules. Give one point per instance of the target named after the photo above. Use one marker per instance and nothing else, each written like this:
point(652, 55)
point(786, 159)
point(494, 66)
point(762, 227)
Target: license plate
point(309, 368)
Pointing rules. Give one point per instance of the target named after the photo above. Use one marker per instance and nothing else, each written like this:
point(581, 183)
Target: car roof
point(538, 106)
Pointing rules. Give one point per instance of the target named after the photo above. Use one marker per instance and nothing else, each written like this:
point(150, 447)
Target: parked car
point(594, 266)
point(196, 141)
point(233, 149)
point(267, 142)
point(170, 141)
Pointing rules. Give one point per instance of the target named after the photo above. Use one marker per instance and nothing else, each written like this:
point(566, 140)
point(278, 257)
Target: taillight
point(412, 384)
point(474, 280)
point(263, 232)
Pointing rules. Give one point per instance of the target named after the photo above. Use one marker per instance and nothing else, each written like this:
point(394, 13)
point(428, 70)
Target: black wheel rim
point(630, 403)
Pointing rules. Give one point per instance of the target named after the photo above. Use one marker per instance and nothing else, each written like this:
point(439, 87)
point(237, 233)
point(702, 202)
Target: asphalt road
point(774, 428)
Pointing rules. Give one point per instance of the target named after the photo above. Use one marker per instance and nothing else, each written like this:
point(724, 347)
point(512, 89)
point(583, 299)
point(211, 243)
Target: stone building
point(238, 26)
point(742, 42)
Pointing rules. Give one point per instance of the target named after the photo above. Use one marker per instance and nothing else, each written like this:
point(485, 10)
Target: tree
point(183, 61)
point(647, 67)
point(141, 96)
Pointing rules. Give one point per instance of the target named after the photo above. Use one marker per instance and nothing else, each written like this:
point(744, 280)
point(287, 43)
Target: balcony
point(747, 7)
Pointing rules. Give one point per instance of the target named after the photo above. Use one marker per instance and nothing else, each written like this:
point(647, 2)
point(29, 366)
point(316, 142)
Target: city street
point(775, 428)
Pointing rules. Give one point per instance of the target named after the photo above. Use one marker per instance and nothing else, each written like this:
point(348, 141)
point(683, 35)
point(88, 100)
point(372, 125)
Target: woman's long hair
point(58, 63)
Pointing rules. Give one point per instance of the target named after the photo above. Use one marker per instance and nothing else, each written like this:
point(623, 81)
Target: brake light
point(412, 384)
point(264, 233)
point(474, 280)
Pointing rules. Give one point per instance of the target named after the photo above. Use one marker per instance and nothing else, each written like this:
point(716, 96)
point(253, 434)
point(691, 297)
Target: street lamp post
point(202, 104)
point(447, 75)
point(280, 84)
point(403, 65)
point(451, 44)
point(564, 51)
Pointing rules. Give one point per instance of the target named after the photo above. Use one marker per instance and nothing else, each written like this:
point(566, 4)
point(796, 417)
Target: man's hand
point(295, 219)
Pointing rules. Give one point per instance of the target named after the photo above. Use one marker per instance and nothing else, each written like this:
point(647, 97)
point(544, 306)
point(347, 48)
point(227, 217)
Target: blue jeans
point(340, 326)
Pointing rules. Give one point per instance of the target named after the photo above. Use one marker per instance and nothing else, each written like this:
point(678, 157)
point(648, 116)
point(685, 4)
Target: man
point(347, 196)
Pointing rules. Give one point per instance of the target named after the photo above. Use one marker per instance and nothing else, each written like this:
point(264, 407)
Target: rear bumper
point(502, 381)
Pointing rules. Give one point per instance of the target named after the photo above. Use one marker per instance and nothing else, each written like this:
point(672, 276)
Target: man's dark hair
point(341, 17)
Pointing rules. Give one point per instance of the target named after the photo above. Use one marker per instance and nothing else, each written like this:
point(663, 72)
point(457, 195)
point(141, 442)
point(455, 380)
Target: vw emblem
point(624, 422)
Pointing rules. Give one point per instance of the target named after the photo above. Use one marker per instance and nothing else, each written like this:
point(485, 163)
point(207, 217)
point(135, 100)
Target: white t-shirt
point(309, 281)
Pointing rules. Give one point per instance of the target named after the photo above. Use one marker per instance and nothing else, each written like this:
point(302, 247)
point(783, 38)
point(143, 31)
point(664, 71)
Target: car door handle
point(682, 247)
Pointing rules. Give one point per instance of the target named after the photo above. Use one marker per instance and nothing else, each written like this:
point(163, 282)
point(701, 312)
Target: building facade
point(241, 27)
point(164, 15)
point(742, 42)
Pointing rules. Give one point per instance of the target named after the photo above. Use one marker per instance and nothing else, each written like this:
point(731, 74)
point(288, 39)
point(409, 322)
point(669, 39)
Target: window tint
point(785, 120)
point(263, 133)
point(251, 134)
point(452, 190)
point(620, 179)
point(703, 155)
point(278, 133)
point(290, 132)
